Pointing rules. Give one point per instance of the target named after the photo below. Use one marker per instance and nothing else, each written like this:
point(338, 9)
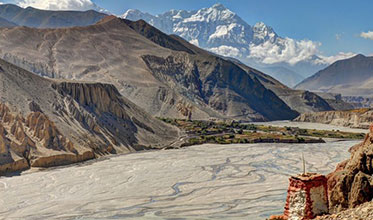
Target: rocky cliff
point(359, 118)
point(351, 184)
point(47, 123)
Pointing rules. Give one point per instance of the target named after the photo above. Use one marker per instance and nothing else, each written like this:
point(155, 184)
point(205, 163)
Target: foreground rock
point(362, 212)
point(351, 184)
point(47, 123)
point(359, 118)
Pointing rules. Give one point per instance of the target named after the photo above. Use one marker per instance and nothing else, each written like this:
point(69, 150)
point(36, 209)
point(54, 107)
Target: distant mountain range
point(216, 29)
point(349, 77)
point(12, 15)
point(282, 74)
point(221, 31)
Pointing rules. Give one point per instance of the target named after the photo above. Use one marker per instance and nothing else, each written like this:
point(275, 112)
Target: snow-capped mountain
point(223, 32)
point(208, 27)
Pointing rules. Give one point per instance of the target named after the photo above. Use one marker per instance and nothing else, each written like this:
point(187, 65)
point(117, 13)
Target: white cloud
point(367, 35)
point(79, 5)
point(226, 51)
point(339, 56)
point(285, 50)
point(195, 42)
point(338, 36)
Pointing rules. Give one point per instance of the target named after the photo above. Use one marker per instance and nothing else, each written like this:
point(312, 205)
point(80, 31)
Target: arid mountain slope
point(203, 85)
point(299, 100)
point(46, 123)
point(350, 77)
point(32, 17)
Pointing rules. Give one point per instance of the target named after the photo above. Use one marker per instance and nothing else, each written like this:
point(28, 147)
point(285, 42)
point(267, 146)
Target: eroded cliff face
point(47, 123)
point(360, 118)
point(26, 142)
point(351, 184)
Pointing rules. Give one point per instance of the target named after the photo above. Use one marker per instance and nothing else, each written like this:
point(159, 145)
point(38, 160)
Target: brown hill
point(349, 77)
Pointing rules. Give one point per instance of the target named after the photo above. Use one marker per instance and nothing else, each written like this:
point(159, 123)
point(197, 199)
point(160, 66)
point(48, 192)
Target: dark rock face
point(221, 85)
point(157, 36)
point(315, 101)
point(351, 184)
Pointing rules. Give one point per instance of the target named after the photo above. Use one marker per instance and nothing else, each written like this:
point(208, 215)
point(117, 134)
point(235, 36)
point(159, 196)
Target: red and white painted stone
point(307, 197)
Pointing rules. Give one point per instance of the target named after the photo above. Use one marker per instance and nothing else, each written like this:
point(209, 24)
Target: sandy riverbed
point(209, 181)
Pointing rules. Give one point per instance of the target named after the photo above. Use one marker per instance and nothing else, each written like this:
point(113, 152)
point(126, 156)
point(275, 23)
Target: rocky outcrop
point(351, 184)
point(359, 101)
point(62, 159)
point(359, 118)
point(34, 141)
point(363, 212)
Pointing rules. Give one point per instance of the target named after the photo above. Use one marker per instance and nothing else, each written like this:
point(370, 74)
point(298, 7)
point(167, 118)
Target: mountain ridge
point(350, 77)
point(33, 17)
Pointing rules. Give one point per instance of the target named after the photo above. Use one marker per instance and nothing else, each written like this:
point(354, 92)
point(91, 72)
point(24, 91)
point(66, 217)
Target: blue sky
point(316, 20)
point(337, 24)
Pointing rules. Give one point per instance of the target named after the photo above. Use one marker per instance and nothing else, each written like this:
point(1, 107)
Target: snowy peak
point(263, 33)
point(216, 13)
point(134, 14)
point(223, 32)
point(219, 6)
point(208, 27)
